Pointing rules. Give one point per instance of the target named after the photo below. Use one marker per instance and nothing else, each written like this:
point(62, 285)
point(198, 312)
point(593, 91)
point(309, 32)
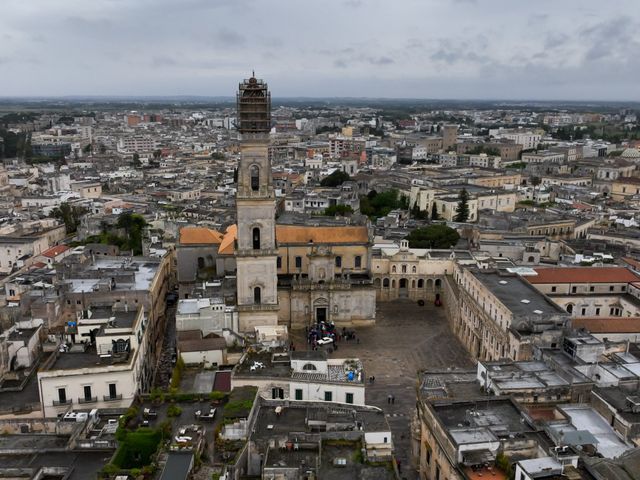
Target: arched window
point(393, 284)
point(531, 259)
point(309, 366)
point(257, 295)
point(414, 269)
point(413, 284)
point(404, 269)
point(570, 308)
point(393, 269)
point(385, 283)
point(438, 283)
point(421, 283)
point(357, 262)
point(338, 261)
point(256, 238)
point(376, 282)
point(255, 177)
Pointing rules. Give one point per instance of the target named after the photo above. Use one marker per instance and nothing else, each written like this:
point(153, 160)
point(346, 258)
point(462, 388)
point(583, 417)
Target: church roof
point(199, 236)
point(228, 241)
point(337, 234)
point(301, 234)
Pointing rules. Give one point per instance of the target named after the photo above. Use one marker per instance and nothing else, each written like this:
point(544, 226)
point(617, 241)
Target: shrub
point(217, 395)
point(174, 411)
point(136, 449)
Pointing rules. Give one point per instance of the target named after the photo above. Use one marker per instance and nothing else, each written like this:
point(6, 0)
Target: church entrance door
point(403, 291)
point(321, 314)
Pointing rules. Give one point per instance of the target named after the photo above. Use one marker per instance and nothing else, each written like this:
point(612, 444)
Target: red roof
point(608, 325)
point(53, 252)
point(222, 381)
point(583, 275)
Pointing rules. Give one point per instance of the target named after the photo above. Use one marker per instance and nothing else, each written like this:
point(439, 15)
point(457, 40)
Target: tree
point(462, 214)
point(434, 212)
point(69, 215)
point(335, 179)
point(136, 160)
point(87, 149)
point(419, 214)
point(133, 225)
point(157, 154)
point(335, 210)
point(433, 236)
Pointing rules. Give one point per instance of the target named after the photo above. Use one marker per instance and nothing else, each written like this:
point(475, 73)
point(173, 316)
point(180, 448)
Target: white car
point(325, 340)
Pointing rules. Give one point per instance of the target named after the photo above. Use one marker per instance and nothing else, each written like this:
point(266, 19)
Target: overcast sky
point(480, 49)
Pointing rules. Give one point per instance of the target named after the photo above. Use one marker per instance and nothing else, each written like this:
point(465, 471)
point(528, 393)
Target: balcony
point(58, 403)
point(112, 398)
point(263, 252)
point(262, 307)
point(88, 400)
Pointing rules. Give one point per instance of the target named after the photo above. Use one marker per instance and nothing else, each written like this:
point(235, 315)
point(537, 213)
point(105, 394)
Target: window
point(309, 366)
point(357, 262)
point(338, 261)
point(349, 398)
point(298, 394)
point(277, 393)
point(298, 262)
point(428, 456)
point(414, 269)
point(113, 392)
point(574, 289)
point(257, 294)
point(62, 396)
point(611, 288)
point(87, 393)
point(328, 396)
point(404, 269)
point(553, 289)
point(393, 269)
point(421, 283)
point(279, 262)
point(256, 238)
point(385, 283)
point(584, 311)
point(597, 311)
point(569, 308)
point(437, 472)
point(592, 288)
point(255, 178)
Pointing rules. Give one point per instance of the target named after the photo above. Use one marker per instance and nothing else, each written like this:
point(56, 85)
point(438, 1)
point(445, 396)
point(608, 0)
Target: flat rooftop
point(87, 359)
point(500, 416)
point(518, 296)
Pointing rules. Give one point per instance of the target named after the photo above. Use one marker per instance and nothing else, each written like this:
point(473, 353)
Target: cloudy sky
point(480, 49)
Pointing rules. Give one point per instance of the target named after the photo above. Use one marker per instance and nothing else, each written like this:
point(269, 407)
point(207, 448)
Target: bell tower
point(256, 254)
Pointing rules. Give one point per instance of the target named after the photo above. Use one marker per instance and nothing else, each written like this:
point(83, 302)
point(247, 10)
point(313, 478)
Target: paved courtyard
point(406, 338)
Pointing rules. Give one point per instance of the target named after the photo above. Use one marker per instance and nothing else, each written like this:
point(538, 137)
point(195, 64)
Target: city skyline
point(441, 49)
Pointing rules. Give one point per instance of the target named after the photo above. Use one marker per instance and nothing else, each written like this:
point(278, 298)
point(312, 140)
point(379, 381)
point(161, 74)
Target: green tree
point(87, 149)
point(433, 236)
point(70, 215)
point(434, 212)
point(133, 225)
point(136, 160)
point(419, 214)
point(335, 179)
point(335, 210)
point(462, 214)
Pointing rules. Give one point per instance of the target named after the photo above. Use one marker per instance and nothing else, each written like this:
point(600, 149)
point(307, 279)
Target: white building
point(302, 376)
point(209, 315)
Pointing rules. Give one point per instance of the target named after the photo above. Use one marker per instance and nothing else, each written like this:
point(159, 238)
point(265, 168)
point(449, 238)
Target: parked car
point(325, 341)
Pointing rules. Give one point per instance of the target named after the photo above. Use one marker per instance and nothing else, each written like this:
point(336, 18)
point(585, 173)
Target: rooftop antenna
point(253, 73)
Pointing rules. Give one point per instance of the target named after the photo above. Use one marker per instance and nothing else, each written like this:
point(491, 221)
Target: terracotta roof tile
point(55, 251)
point(291, 234)
point(303, 234)
point(583, 275)
point(199, 236)
point(228, 241)
point(608, 325)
